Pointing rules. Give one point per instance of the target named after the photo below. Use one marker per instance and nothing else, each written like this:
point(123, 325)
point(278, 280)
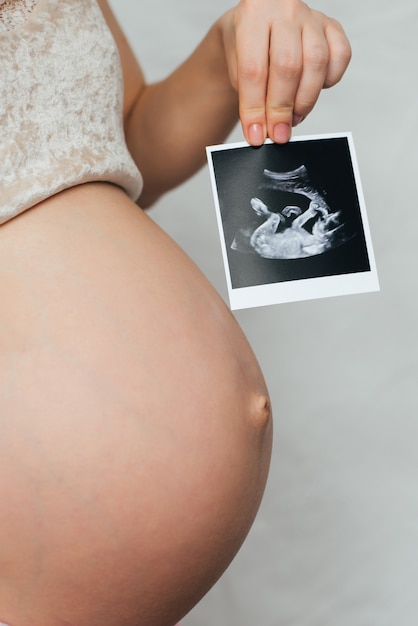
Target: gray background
point(336, 539)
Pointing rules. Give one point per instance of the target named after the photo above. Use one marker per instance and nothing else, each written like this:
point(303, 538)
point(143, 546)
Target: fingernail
point(255, 134)
point(281, 133)
point(297, 119)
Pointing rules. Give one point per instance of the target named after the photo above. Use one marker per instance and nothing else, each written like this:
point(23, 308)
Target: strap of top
point(14, 13)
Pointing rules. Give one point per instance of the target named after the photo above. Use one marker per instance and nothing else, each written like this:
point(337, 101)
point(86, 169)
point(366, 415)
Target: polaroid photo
point(292, 220)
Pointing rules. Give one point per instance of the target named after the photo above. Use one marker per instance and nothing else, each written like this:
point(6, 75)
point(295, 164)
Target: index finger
point(252, 50)
point(285, 71)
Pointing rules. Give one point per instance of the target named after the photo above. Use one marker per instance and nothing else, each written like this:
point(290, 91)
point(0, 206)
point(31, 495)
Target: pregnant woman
point(135, 426)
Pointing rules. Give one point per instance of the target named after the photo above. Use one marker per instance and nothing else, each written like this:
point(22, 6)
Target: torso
point(135, 433)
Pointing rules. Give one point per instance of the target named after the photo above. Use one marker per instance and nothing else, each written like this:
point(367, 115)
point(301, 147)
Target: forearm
point(172, 121)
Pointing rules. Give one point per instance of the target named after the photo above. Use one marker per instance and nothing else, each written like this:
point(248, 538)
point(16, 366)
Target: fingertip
point(281, 132)
point(256, 134)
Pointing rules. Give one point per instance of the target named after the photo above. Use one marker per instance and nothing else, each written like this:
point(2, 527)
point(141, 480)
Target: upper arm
point(133, 76)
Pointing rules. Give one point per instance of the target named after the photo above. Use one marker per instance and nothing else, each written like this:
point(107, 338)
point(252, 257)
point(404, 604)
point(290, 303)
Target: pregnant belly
point(135, 420)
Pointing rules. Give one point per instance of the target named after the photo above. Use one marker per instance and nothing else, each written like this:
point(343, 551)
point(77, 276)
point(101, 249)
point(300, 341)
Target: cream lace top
point(61, 100)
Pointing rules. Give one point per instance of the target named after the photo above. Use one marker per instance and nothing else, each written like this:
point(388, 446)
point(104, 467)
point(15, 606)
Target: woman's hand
point(273, 56)
point(280, 54)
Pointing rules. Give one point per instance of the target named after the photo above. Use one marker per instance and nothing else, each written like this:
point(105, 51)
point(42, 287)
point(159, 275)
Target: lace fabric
point(61, 104)
point(14, 13)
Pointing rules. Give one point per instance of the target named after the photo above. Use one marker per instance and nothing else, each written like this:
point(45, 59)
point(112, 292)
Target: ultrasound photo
point(292, 220)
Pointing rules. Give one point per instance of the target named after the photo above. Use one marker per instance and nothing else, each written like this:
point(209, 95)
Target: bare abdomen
point(135, 421)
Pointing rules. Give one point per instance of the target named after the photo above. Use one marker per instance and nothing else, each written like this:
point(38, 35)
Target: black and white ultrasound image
point(290, 211)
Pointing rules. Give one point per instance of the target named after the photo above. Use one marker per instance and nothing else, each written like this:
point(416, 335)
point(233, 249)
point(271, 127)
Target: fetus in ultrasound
point(293, 233)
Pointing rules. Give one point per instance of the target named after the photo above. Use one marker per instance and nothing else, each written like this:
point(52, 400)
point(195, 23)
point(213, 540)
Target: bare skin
point(135, 421)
